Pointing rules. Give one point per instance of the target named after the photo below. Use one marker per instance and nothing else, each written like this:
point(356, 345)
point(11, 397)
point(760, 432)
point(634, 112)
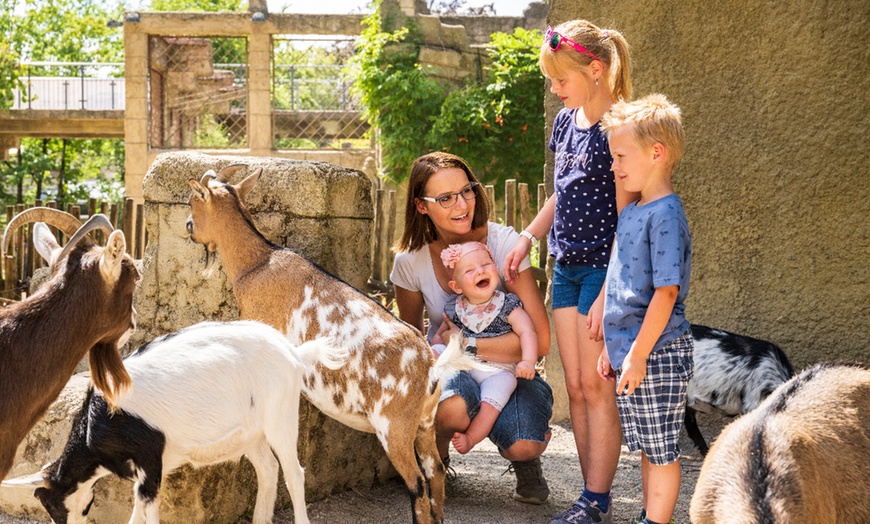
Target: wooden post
point(129, 209)
point(113, 216)
point(92, 210)
point(490, 194)
point(140, 231)
point(9, 262)
point(391, 229)
point(377, 256)
point(19, 249)
point(510, 203)
point(525, 218)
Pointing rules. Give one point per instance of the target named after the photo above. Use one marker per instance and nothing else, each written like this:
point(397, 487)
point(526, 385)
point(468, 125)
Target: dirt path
point(481, 492)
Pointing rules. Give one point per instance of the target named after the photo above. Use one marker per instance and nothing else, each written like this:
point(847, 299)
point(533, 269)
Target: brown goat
point(390, 384)
point(802, 456)
point(85, 308)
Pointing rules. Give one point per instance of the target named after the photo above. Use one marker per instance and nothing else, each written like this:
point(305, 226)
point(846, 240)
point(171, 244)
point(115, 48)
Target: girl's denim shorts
point(577, 286)
point(526, 416)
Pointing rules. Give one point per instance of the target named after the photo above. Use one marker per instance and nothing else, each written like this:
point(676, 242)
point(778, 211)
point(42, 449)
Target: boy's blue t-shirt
point(653, 249)
point(585, 214)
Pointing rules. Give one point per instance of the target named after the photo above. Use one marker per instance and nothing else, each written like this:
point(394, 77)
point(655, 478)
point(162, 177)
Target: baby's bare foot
point(462, 443)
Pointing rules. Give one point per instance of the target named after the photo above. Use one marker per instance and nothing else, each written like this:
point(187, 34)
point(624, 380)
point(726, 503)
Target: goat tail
point(325, 350)
point(108, 373)
point(454, 359)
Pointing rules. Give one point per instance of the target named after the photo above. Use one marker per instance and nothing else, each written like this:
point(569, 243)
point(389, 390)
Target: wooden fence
point(22, 259)
point(517, 213)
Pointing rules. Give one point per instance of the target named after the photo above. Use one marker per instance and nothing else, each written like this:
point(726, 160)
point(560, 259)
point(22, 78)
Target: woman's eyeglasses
point(449, 200)
point(554, 40)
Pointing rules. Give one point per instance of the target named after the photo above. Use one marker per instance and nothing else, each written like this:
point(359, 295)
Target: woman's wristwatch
point(530, 236)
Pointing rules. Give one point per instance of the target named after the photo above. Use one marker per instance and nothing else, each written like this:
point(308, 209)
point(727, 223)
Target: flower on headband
point(451, 254)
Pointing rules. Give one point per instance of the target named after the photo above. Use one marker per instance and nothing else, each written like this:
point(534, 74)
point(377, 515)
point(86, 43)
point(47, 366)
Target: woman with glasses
point(588, 68)
point(446, 205)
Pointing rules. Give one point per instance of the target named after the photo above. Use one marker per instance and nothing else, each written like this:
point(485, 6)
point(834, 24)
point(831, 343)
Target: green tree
point(498, 125)
point(60, 31)
point(400, 100)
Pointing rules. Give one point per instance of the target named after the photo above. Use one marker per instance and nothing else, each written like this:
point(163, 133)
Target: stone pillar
point(136, 109)
point(259, 93)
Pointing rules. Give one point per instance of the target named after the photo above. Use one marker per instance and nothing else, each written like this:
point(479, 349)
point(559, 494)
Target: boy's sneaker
point(531, 486)
point(583, 512)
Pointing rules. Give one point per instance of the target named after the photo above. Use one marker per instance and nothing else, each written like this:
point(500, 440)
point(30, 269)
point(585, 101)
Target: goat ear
point(36, 480)
point(245, 186)
point(110, 259)
point(44, 242)
point(200, 189)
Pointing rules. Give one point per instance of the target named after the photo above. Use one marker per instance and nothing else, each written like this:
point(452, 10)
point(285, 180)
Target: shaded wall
point(776, 110)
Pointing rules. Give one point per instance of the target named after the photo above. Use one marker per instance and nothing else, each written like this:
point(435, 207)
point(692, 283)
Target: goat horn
point(226, 173)
point(62, 220)
point(98, 221)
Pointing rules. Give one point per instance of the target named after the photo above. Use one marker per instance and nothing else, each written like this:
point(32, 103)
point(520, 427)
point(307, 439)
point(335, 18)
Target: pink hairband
point(451, 255)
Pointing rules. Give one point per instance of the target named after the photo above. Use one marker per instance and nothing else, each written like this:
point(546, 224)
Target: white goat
point(206, 394)
point(390, 385)
point(86, 308)
point(733, 374)
point(800, 457)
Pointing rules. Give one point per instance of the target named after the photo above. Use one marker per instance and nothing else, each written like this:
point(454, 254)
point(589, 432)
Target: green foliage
point(498, 126)
point(401, 101)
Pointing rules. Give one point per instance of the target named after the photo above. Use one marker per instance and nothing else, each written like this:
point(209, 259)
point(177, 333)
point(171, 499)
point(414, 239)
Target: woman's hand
point(515, 257)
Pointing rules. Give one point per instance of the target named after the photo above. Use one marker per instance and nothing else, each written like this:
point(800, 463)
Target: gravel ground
point(481, 492)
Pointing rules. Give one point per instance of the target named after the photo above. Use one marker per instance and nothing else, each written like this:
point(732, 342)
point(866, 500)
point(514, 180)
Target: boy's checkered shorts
point(652, 417)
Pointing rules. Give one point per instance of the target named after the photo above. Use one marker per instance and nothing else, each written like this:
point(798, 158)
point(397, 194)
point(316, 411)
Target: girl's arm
point(522, 325)
point(654, 322)
point(539, 228)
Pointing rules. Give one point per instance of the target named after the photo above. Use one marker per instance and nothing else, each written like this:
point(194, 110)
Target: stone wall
point(774, 178)
point(323, 211)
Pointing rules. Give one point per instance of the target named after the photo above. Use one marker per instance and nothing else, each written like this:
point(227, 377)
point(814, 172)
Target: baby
point(480, 310)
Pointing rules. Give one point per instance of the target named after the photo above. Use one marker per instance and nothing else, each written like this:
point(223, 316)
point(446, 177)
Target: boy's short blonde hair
point(654, 120)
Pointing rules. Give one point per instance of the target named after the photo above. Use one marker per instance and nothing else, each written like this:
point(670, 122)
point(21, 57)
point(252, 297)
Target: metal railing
point(71, 86)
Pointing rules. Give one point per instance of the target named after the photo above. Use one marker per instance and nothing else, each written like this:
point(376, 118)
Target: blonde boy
point(649, 345)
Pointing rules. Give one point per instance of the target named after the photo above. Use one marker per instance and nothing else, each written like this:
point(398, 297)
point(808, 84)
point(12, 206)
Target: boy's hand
point(595, 319)
point(517, 254)
point(526, 370)
point(604, 370)
point(633, 373)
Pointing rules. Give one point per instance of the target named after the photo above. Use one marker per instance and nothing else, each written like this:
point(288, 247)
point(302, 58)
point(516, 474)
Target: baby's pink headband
point(451, 254)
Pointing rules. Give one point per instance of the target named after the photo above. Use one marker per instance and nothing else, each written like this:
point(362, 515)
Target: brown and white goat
point(389, 385)
point(85, 308)
point(800, 457)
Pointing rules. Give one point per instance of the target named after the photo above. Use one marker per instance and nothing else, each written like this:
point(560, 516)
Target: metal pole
point(82, 71)
point(113, 93)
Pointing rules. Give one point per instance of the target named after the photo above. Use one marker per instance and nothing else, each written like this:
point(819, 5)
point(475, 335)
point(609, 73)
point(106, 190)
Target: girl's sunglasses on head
point(554, 40)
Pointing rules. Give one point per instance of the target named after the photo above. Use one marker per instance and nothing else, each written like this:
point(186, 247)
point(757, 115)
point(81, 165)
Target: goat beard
point(210, 257)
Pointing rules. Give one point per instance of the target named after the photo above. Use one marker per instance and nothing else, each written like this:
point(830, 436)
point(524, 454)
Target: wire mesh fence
point(312, 105)
point(197, 92)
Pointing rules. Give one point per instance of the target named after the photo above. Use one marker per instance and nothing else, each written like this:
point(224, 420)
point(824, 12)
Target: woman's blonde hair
point(419, 229)
point(606, 45)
